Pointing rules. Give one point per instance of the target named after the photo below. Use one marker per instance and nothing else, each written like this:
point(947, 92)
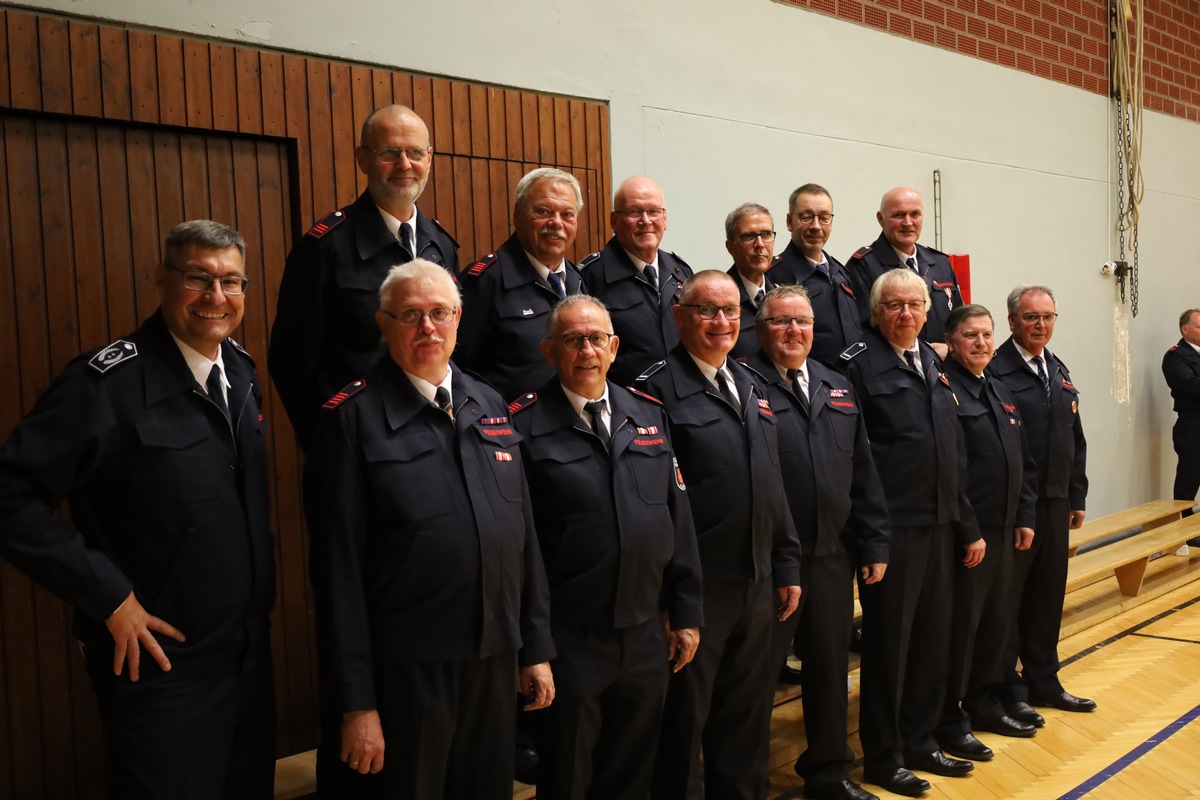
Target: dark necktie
point(557, 285)
point(758, 298)
point(216, 392)
point(727, 391)
point(441, 398)
point(911, 359)
point(406, 238)
point(911, 262)
point(595, 409)
point(823, 268)
point(651, 275)
point(798, 388)
point(1041, 371)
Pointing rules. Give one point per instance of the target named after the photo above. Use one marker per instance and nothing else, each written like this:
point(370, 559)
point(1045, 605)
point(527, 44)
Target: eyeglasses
point(895, 307)
point(411, 317)
point(806, 219)
point(634, 214)
point(750, 236)
point(1033, 318)
point(786, 322)
point(709, 311)
point(574, 341)
point(231, 285)
point(390, 155)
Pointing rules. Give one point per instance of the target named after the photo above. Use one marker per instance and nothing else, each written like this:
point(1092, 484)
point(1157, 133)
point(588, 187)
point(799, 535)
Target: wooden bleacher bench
point(1146, 517)
point(1127, 559)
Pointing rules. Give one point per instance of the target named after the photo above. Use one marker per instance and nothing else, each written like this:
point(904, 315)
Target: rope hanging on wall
point(1126, 89)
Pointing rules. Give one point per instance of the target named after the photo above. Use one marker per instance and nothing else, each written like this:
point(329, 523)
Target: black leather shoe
point(966, 746)
point(898, 781)
point(790, 676)
point(1064, 701)
point(1004, 725)
point(526, 765)
point(938, 763)
point(844, 790)
point(1023, 712)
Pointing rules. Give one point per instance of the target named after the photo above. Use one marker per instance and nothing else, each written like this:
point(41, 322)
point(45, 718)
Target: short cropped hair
point(779, 293)
point(688, 289)
point(1014, 297)
point(962, 313)
point(744, 210)
point(572, 300)
point(808, 188)
point(202, 233)
point(412, 270)
point(1186, 316)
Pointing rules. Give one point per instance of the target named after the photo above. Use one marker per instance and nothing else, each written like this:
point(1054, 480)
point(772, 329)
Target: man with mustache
point(804, 261)
point(425, 566)
point(750, 240)
point(508, 293)
point(324, 333)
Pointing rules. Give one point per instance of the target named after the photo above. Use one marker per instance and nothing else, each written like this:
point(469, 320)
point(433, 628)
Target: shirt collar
point(393, 223)
point(577, 401)
point(783, 371)
point(201, 365)
point(429, 390)
point(751, 289)
point(709, 371)
point(544, 271)
point(640, 265)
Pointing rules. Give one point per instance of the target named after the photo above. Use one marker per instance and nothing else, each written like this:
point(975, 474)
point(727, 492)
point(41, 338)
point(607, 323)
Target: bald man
point(900, 216)
point(636, 280)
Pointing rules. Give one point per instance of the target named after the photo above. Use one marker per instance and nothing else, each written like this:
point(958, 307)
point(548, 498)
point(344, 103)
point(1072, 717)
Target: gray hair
point(204, 234)
point(547, 174)
point(744, 210)
point(1014, 297)
point(702, 276)
point(412, 270)
point(901, 276)
point(572, 300)
point(779, 293)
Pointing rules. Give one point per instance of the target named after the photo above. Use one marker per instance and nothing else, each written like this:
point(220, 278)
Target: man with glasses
point(638, 282)
point(426, 570)
point(901, 215)
point(157, 443)
point(324, 333)
point(509, 292)
point(804, 261)
point(750, 240)
point(837, 505)
point(620, 552)
point(723, 430)
point(1049, 403)
point(909, 409)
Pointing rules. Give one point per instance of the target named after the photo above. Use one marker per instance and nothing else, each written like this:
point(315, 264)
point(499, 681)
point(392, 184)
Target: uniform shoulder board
point(862, 251)
point(479, 266)
point(588, 259)
point(935, 250)
point(1172, 348)
point(345, 394)
point(523, 402)
point(438, 225)
point(324, 226)
point(643, 395)
point(853, 350)
point(650, 370)
point(116, 353)
point(755, 372)
point(237, 346)
point(775, 262)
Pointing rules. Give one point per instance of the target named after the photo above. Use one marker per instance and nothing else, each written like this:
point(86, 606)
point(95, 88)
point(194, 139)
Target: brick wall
point(1062, 40)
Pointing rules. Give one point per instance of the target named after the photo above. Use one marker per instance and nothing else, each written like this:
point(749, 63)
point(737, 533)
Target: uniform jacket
point(506, 306)
point(166, 500)
point(731, 468)
point(829, 475)
point(1052, 425)
point(747, 343)
point(833, 300)
point(616, 530)
point(1002, 475)
point(1181, 367)
point(423, 545)
point(915, 436)
point(325, 334)
point(641, 316)
point(866, 265)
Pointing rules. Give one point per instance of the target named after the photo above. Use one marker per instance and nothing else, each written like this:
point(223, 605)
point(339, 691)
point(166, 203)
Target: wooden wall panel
point(108, 137)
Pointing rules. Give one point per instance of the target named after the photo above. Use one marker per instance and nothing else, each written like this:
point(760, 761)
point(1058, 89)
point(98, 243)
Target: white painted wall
point(724, 101)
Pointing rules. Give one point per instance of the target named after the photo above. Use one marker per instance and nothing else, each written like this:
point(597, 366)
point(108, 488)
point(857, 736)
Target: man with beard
point(324, 333)
point(804, 261)
point(638, 282)
point(750, 240)
point(508, 293)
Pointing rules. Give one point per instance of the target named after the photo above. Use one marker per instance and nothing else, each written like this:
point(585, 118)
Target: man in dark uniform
point(508, 293)
point(909, 410)
point(620, 552)
point(1049, 406)
point(1181, 367)
point(428, 578)
point(723, 431)
point(156, 441)
point(324, 334)
point(901, 215)
point(750, 239)
point(837, 504)
point(1002, 487)
point(804, 261)
point(638, 282)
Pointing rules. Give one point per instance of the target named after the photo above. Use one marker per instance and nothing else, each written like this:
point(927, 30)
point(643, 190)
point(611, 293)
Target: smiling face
point(201, 319)
point(790, 344)
point(972, 343)
point(901, 215)
point(546, 224)
point(901, 312)
point(583, 371)
point(1034, 335)
point(395, 187)
point(811, 236)
point(636, 232)
point(709, 340)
